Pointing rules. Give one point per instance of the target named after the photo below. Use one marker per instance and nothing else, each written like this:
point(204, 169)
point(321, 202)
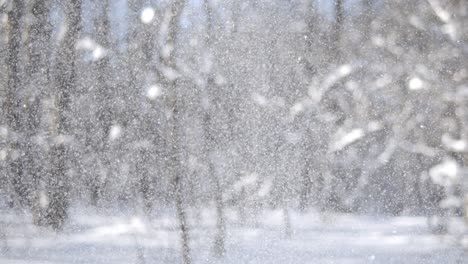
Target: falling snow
point(236, 131)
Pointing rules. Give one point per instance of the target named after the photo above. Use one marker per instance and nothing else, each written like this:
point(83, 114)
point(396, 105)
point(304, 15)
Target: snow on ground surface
point(105, 237)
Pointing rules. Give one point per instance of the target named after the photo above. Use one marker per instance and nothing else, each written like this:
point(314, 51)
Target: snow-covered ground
point(109, 237)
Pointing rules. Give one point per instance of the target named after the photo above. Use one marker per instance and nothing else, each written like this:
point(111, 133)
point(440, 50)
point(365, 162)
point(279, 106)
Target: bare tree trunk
point(39, 63)
point(210, 142)
point(104, 112)
point(145, 184)
point(306, 184)
point(13, 102)
point(66, 82)
point(135, 66)
point(368, 16)
point(14, 45)
point(143, 69)
point(337, 30)
point(333, 200)
point(175, 165)
point(220, 237)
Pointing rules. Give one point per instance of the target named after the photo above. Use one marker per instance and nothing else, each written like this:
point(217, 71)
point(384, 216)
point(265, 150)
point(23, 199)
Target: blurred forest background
point(353, 106)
